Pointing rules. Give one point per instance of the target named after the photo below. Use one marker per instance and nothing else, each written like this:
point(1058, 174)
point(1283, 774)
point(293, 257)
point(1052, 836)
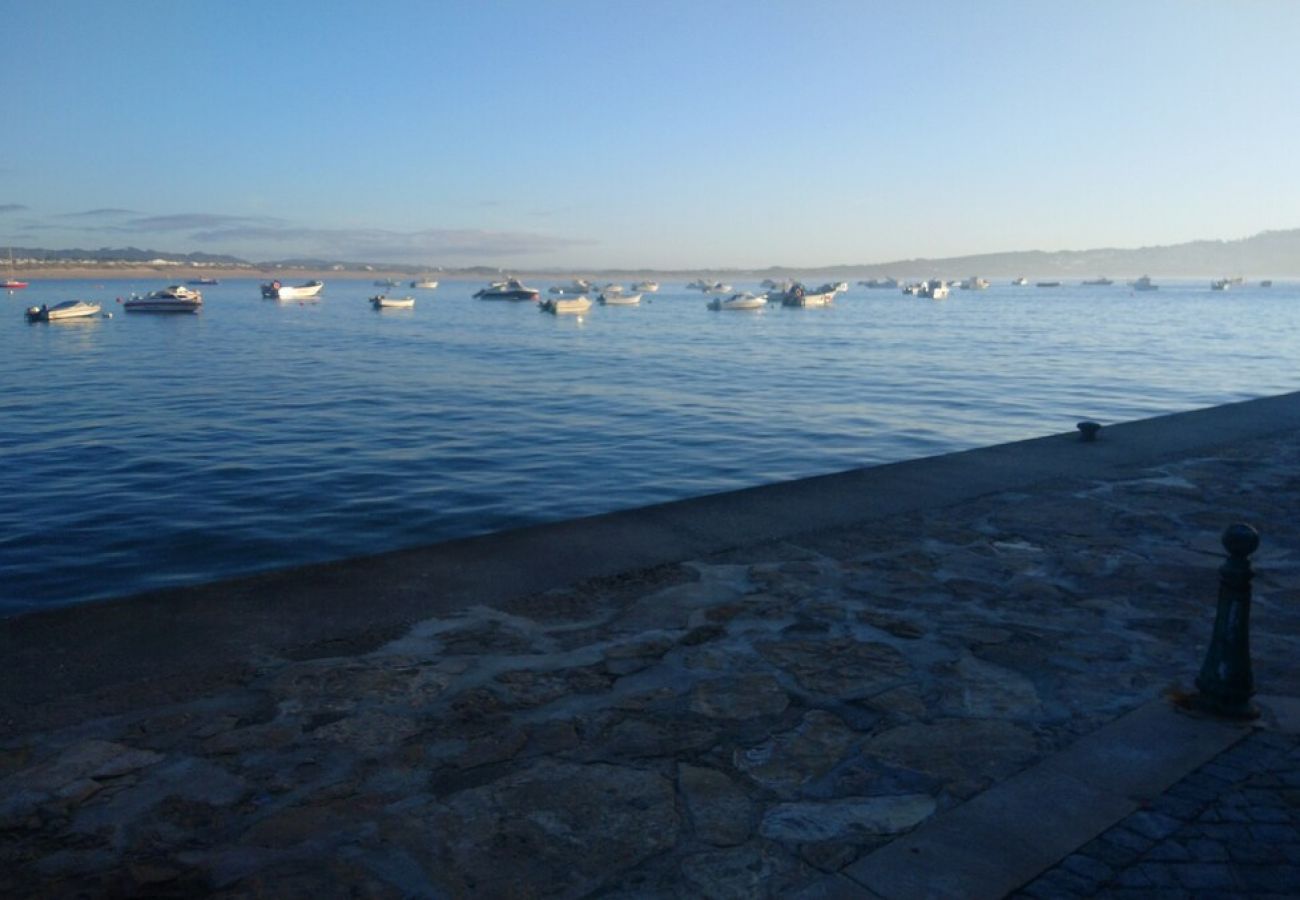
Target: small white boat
point(799, 296)
point(934, 289)
point(566, 305)
point(576, 286)
point(841, 287)
point(424, 284)
point(386, 282)
point(1221, 285)
point(718, 288)
point(974, 283)
point(510, 289)
point(174, 299)
point(1021, 281)
point(611, 289)
point(743, 300)
point(1144, 284)
point(382, 302)
point(274, 290)
point(646, 287)
point(618, 298)
point(68, 309)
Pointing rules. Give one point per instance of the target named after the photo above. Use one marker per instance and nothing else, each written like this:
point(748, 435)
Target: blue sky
point(655, 134)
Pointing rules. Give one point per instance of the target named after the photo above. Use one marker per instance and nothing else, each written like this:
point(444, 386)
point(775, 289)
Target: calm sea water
point(143, 451)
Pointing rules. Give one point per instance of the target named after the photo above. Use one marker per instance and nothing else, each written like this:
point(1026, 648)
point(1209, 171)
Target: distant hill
point(1268, 254)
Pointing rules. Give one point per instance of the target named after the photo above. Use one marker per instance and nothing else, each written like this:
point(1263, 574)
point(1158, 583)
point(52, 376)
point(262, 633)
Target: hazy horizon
point(675, 136)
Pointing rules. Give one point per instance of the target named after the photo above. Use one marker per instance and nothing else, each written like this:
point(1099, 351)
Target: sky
point(655, 134)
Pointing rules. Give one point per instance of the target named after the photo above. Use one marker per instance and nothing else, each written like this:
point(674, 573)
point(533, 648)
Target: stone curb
point(1014, 831)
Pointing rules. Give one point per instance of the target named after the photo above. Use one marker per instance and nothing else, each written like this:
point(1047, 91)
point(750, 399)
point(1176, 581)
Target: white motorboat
point(1221, 285)
point(618, 298)
point(1021, 281)
point(743, 300)
point(646, 287)
point(934, 289)
point(60, 312)
point(841, 287)
point(974, 283)
point(383, 302)
point(274, 290)
point(510, 289)
point(1144, 284)
point(800, 296)
point(718, 288)
point(566, 305)
point(424, 284)
point(174, 299)
point(575, 287)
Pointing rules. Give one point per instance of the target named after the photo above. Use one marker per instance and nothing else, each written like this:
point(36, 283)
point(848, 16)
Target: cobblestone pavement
point(736, 726)
point(1230, 829)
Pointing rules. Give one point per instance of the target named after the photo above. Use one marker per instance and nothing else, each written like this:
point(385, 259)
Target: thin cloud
point(11, 207)
point(192, 221)
point(107, 212)
point(381, 244)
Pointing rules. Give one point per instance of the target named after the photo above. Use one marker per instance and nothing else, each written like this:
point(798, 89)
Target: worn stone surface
point(732, 726)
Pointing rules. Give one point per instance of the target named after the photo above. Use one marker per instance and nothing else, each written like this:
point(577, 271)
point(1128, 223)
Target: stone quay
point(946, 677)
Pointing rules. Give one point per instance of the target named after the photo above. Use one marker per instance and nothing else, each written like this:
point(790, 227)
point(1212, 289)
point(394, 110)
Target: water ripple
point(147, 451)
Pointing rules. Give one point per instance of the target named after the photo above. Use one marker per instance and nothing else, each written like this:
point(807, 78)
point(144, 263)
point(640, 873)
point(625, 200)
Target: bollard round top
point(1240, 539)
point(1088, 430)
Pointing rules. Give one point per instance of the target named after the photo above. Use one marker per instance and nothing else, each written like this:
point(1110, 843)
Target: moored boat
point(575, 287)
point(565, 305)
point(1221, 285)
point(381, 301)
point(1098, 282)
point(934, 289)
point(1020, 282)
point(1267, 282)
point(618, 298)
point(798, 295)
point(1049, 284)
point(743, 300)
point(877, 284)
point(510, 289)
point(424, 284)
point(1144, 284)
point(68, 309)
point(175, 298)
point(274, 290)
point(13, 282)
point(974, 283)
point(204, 281)
point(646, 287)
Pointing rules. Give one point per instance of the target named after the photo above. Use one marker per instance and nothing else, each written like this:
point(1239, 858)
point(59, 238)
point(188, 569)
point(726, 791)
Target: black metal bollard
point(1088, 431)
point(1226, 682)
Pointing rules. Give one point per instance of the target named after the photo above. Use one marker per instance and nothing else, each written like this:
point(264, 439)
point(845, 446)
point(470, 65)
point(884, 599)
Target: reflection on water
point(151, 450)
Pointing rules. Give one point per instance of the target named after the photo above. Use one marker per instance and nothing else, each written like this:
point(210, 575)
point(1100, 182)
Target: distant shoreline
point(180, 274)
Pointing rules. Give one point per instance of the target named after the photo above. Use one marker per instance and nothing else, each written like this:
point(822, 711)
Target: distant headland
point(1267, 254)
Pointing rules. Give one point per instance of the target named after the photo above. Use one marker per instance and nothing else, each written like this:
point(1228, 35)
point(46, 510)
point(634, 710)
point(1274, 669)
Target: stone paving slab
point(1004, 837)
point(746, 722)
